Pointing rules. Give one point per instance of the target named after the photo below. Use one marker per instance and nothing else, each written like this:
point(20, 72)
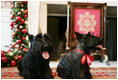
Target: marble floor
point(54, 64)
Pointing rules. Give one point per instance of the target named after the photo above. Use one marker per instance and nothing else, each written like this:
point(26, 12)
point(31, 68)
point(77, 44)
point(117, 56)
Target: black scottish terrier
point(35, 64)
point(75, 64)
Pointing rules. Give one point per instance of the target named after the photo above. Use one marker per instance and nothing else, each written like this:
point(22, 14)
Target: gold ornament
point(19, 13)
point(21, 5)
point(15, 57)
point(22, 10)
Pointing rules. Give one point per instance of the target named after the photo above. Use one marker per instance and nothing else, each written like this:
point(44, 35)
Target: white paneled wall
point(33, 17)
point(6, 31)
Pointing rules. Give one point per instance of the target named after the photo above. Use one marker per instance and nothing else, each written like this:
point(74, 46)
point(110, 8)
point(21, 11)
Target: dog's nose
point(45, 46)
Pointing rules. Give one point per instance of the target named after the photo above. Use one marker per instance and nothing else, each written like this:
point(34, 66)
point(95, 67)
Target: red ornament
point(13, 34)
point(25, 16)
point(12, 23)
point(9, 51)
point(11, 27)
point(24, 1)
point(24, 30)
point(12, 17)
point(25, 49)
point(13, 47)
point(26, 11)
point(13, 37)
point(20, 57)
point(18, 18)
point(22, 21)
point(23, 38)
point(18, 30)
point(12, 6)
point(19, 41)
point(4, 59)
point(2, 53)
point(13, 63)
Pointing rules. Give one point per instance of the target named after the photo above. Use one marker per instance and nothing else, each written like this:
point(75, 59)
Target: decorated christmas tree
point(19, 46)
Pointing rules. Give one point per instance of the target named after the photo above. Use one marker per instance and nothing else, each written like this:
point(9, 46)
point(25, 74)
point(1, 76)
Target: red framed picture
point(87, 17)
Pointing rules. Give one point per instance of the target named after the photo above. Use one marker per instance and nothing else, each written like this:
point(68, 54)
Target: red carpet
point(97, 73)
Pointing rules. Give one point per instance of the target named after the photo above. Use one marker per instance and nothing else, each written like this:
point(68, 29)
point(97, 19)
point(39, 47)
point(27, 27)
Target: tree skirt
point(97, 73)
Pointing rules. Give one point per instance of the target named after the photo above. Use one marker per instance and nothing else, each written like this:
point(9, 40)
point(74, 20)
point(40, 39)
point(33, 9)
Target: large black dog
point(75, 64)
point(35, 64)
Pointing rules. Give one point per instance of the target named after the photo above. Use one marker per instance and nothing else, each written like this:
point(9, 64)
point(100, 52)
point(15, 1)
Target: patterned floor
point(97, 73)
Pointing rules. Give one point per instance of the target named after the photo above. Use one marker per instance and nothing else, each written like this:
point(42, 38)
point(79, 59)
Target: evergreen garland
point(19, 47)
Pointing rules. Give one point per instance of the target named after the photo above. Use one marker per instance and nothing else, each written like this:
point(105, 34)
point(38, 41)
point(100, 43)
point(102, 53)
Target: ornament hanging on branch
point(13, 63)
point(21, 5)
point(19, 13)
point(26, 11)
point(24, 30)
point(9, 51)
point(12, 17)
point(21, 27)
point(12, 24)
point(24, 1)
point(4, 59)
point(23, 38)
point(2, 53)
point(25, 16)
point(18, 18)
point(22, 21)
point(19, 41)
point(19, 57)
point(25, 49)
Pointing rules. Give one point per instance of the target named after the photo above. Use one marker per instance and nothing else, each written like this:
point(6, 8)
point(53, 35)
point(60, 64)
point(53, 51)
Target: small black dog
point(35, 64)
point(75, 64)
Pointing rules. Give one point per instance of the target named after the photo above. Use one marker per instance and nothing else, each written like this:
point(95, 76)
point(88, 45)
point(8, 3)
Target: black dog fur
point(70, 66)
point(34, 65)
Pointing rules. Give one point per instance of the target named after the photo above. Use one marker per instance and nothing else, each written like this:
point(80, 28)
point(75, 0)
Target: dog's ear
point(47, 36)
point(30, 37)
point(78, 35)
point(38, 36)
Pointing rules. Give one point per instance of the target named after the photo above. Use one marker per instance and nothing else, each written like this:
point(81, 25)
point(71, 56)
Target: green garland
point(19, 47)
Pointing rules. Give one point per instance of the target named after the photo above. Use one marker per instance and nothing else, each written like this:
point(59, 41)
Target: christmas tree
point(19, 47)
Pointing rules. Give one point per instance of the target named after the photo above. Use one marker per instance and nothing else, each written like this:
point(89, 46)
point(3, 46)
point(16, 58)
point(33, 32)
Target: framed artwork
point(87, 17)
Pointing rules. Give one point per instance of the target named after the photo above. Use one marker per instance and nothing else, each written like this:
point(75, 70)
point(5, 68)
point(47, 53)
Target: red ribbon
point(89, 57)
